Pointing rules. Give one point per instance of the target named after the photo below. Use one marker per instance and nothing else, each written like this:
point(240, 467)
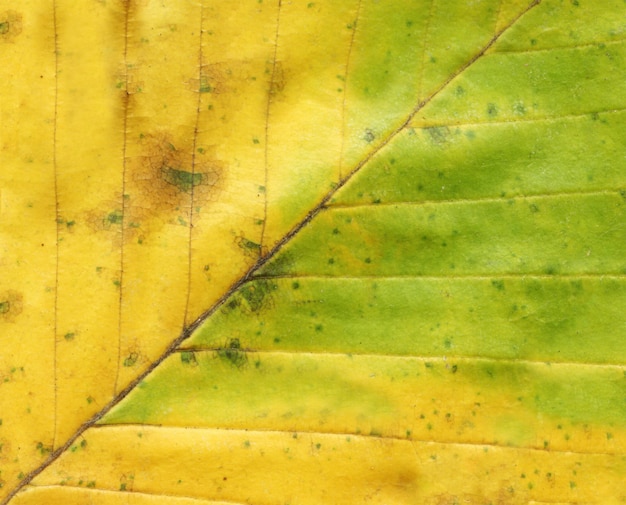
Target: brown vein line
point(471, 277)
point(193, 168)
point(129, 492)
point(419, 126)
point(57, 215)
point(125, 101)
point(270, 92)
point(334, 434)
point(561, 48)
point(445, 359)
point(54, 455)
point(425, 42)
point(469, 201)
point(345, 85)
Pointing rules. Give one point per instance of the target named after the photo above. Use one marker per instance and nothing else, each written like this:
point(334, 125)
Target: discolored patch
point(221, 77)
point(10, 25)
point(163, 183)
point(278, 79)
point(233, 353)
point(10, 305)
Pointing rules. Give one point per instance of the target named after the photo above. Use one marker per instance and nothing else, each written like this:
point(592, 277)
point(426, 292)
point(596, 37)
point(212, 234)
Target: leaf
point(313, 253)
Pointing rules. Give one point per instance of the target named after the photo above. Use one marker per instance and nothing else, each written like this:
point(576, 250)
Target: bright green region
point(503, 160)
point(377, 395)
point(568, 234)
point(559, 23)
point(526, 86)
point(571, 320)
point(182, 179)
point(279, 391)
point(576, 393)
point(456, 33)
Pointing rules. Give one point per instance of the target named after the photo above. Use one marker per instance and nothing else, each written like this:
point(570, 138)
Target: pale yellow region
point(89, 143)
point(306, 110)
point(250, 467)
point(27, 237)
point(450, 407)
point(267, 468)
point(63, 495)
point(509, 12)
point(237, 45)
point(162, 62)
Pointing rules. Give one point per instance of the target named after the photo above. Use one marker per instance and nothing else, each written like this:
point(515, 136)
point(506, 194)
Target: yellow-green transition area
point(274, 252)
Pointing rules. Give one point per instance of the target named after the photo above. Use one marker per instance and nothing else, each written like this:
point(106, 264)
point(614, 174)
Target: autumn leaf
point(313, 252)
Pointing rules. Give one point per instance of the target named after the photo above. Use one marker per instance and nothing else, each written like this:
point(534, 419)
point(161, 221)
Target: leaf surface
point(315, 252)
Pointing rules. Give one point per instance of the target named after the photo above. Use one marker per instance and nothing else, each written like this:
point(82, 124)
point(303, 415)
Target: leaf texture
point(313, 252)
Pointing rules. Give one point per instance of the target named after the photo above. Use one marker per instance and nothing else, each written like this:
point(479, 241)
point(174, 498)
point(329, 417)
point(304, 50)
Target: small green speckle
point(183, 180)
point(492, 110)
point(131, 359)
point(69, 336)
point(369, 136)
point(498, 284)
point(115, 217)
point(519, 108)
point(5, 307)
point(295, 285)
point(188, 358)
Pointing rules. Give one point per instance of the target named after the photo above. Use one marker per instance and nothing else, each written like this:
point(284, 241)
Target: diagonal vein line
point(186, 333)
point(125, 105)
point(57, 216)
point(193, 168)
point(270, 92)
point(345, 85)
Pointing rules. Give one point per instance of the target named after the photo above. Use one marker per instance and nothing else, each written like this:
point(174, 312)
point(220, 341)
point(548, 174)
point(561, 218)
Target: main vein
point(263, 259)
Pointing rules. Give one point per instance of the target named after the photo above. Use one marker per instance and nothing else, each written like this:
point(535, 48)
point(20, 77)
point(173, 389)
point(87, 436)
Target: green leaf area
point(466, 284)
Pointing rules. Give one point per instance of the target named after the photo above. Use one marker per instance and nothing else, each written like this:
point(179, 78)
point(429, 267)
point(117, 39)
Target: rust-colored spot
point(163, 178)
point(278, 79)
point(10, 25)
point(164, 182)
point(10, 305)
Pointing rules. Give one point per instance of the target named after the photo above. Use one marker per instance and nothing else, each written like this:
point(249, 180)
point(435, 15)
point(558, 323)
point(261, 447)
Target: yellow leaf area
point(297, 252)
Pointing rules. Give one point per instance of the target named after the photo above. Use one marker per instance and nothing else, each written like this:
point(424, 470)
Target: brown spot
point(10, 305)
point(278, 79)
point(161, 181)
point(10, 25)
